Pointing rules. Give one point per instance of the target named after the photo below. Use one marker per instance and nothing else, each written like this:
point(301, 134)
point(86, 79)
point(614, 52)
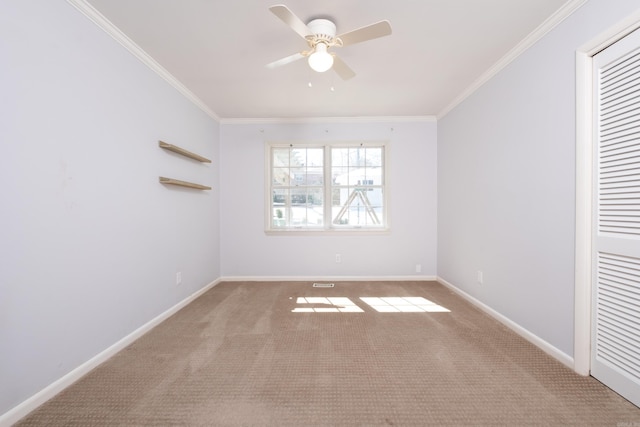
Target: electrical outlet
point(480, 277)
point(178, 278)
point(338, 258)
point(418, 268)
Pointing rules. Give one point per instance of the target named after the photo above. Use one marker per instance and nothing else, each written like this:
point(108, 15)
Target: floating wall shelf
point(172, 181)
point(186, 153)
point(183, 152)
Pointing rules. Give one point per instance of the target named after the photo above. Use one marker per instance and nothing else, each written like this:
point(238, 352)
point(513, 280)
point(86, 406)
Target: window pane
point(340, 175)
point(375, 174)
point(356, 192)
point(280, 197)
point(358, 207)
point(339, 157)
point(298, 156)
point(297, 182)
point(280, 176)
point(314, 157)
point(279, 207)
point(299, 176)
point(306, 207)
point(280, 157)
point(298, 196)
point(374, 156)
point(315, 175)
point(357, 157)
point(279, 217)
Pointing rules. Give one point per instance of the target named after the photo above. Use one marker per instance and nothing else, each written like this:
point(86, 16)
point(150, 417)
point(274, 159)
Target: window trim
point(327, 228)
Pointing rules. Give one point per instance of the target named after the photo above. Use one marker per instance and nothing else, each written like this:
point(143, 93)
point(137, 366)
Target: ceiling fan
point(320, 35)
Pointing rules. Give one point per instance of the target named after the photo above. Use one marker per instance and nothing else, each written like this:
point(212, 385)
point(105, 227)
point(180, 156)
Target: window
point(326, 187)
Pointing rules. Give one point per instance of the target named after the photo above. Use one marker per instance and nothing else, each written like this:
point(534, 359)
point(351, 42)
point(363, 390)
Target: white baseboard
point(532, 338)
point(23, 409)
point(325, 278)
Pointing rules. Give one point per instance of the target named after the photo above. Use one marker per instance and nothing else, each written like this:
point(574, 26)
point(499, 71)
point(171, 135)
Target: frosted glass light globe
point(320, 60)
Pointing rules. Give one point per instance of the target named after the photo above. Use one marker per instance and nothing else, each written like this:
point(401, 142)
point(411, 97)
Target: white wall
point(249, 252)
point(506, 185)
point(90, 242)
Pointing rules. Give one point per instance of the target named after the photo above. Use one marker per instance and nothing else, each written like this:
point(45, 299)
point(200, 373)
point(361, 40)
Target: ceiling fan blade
point(373, 31)
point(288, 17)
point(342, 69)
point(286, 60)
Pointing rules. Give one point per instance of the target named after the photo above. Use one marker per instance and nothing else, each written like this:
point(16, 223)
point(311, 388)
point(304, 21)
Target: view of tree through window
point(326, 187)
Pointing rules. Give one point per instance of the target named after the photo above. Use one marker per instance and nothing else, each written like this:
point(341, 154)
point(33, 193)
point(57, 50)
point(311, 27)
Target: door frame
point(584, 187)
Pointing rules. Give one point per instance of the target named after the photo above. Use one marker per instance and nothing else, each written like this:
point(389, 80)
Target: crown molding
point(325, 120)
point(543, 29)
point(102, 22)
point(107, 26)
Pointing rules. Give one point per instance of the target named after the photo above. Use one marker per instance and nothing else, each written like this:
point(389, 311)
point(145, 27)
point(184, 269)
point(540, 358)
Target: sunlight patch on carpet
point(379, 304)
point(326, 305)
point(403, 305)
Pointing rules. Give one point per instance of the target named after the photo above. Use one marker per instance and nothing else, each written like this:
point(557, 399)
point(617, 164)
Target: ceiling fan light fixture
point(320, 60)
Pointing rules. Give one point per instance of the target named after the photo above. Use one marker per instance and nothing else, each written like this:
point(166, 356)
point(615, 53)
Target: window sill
point(331, 232)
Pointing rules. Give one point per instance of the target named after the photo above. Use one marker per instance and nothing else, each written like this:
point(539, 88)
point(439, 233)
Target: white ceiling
point(438, 52)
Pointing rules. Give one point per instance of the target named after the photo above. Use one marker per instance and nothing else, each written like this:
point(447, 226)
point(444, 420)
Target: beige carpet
point(240, 356)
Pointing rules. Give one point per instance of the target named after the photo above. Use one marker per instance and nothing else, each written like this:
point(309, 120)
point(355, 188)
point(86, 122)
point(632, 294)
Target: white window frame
point(327, 227)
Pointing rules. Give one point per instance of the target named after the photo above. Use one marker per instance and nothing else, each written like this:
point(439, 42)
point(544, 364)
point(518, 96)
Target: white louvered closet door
point(615, 348)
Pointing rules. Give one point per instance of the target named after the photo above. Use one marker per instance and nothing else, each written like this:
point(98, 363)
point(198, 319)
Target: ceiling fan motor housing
point(322, 27)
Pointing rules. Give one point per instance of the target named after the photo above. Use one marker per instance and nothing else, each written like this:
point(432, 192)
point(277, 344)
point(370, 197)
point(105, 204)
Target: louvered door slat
point(620, 96)
point(615, 356)
point(623, 305)
point(618, 312)
point(619, 119)
point(622, 113)
point(630, 103)
point(621, 191)
point(619, 80)
point(620, 332)
point(618, 339)
point(620, 91)
point(619, 68)
point(619, 148)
